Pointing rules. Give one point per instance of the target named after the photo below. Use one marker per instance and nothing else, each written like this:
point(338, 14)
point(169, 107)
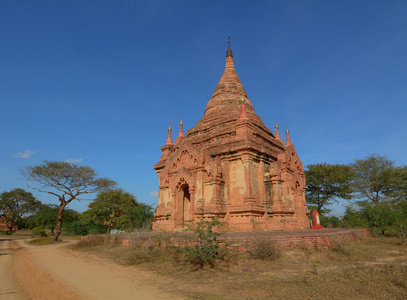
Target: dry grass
point(372, 268)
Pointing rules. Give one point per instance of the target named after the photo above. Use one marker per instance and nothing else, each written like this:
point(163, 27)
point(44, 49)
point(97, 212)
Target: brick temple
point(230, 166)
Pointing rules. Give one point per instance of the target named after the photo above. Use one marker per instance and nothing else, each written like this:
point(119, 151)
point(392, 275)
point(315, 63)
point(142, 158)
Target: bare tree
point(66, 181)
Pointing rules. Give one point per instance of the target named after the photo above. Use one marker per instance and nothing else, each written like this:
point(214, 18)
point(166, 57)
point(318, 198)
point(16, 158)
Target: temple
point(230, 166)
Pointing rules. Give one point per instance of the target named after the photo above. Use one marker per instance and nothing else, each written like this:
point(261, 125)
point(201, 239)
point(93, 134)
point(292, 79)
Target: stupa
point(230, 166)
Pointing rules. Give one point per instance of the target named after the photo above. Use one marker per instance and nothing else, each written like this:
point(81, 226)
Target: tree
point(379, 217)
point(374, 177)
point(118, 210)
point(66, 181)
point(47, 216)
point(398, 190)
point(16, 204)
point(326, 183)
point(399, 224)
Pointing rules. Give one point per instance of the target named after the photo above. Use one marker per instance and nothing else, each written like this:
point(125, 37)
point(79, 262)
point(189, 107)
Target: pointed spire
point(228, 91)
point(287, 142)
point(181, 133)
point(169, 139)
point(277, 133)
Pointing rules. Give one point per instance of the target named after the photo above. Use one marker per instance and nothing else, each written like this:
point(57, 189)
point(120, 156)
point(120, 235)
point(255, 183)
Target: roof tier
point(217, 126)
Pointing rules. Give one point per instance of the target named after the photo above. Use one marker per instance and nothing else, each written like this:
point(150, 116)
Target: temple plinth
point(231, 166)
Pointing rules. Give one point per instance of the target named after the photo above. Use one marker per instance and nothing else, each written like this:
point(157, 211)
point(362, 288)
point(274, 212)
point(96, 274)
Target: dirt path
point(8, 287)
point(54, 272)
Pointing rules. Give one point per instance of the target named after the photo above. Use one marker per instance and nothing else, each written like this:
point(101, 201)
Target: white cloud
point(154, 194)
point(71, 160)
point(25, 154)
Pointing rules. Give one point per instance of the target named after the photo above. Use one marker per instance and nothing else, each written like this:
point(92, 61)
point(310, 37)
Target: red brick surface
point(241, 241)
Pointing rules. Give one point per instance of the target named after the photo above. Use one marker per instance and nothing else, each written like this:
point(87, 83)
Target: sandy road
point(8, 287)
point(54, 272)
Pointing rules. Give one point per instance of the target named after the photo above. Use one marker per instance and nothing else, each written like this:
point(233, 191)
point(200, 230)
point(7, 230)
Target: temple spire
point(228, 91)
point(181, 133)
point(288, 141)
point(169, 139)
point(277, 133)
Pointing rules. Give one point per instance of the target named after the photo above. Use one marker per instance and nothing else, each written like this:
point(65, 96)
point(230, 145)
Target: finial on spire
point(169, 128)
point(288, 141)
point(229, 51)
point(277, 133)
point(242, 100)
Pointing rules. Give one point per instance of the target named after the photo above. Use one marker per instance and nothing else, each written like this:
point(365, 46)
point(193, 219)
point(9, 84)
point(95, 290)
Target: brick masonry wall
point(241, 242)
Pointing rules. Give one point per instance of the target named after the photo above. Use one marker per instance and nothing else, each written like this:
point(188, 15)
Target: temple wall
point(237, 181)
point(208, 192)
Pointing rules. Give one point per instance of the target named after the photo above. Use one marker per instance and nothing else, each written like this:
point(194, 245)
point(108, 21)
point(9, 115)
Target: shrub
point(330, 222)
point(206, 249)
point(399, 229)
point(343, 245)
point(38, 232)
point(83, 228)
point(265, 250)
point(139, 254)
point(91, 241)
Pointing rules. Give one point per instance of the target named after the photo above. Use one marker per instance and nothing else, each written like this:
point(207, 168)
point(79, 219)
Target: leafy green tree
point(66, 181)
point(118, 210)
point(16, 204)
point(374, 177)
point(398, 190)
point(326, 183)
point(331, 222)
point(81, 227)
point(47, 216)
point(376, 217)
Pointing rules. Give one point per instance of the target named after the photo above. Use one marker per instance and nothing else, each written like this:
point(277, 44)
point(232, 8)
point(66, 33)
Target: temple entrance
point(186, 204)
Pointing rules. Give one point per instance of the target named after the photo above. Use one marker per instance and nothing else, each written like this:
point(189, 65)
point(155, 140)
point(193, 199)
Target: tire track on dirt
point(55, 272)
point(8, 287)
point(35, 282)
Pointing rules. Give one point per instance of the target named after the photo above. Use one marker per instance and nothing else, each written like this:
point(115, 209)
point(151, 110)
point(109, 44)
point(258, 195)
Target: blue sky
point(96, 82)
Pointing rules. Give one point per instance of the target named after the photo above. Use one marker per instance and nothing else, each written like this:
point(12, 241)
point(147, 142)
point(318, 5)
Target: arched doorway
point(186, 204)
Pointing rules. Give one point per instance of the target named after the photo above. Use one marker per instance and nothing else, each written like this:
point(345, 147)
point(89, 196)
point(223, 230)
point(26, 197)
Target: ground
point(55, 272)
point(372, 268)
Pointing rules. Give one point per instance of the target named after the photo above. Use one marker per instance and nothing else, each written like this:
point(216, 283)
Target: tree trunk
point(58, 228)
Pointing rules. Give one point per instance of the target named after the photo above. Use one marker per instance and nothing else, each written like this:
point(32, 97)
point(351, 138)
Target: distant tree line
point(375, 187)
point(113, 208)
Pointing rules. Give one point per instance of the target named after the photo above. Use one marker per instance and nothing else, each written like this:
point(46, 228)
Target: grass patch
point(91, 242)
point(343, 245)
point(371, 268)
point(42, 241)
